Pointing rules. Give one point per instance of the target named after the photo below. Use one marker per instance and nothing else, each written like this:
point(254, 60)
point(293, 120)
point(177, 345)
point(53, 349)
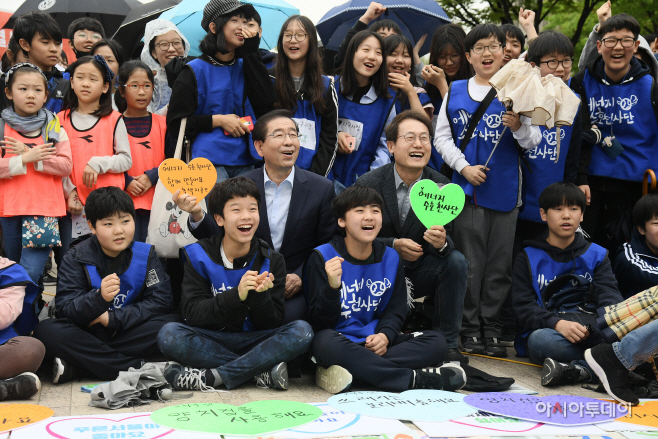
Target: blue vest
point(219, 277)
point(365, 292)
point(626, 110)
point(27, 320)
point(500, 190)
point(221, 91)
point(436, 160)
point(132, 280)
point(309, 121)
point(366, 123)
point(544, 169)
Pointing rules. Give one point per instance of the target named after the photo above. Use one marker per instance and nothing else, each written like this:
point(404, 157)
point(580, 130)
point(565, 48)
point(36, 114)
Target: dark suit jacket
point(310, 221)
point(383, 181)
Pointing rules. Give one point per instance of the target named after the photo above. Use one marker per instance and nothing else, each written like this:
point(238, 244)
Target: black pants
point(392, 371)
point(106, 356)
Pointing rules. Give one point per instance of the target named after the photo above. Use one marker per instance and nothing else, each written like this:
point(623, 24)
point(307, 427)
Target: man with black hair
point(113, 296)
point(83, 33)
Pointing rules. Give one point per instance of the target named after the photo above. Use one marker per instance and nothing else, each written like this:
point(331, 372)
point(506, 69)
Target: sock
point(213, 379)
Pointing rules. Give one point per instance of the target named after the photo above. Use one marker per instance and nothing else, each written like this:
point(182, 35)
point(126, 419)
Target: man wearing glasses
point(436, 270)
point(84, 33)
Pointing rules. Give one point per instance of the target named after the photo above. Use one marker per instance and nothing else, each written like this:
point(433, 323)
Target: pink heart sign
point(86, 427)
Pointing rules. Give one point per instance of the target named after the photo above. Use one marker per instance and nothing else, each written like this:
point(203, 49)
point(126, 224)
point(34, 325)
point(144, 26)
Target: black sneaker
point(277, 378)
point(21, 386)
point(447, 377)
point(63, 372)
point(49, 279)
point(555, 373)
point(507, 338)
point(612, 373)
point(494, 348)
point(473, 345)
point(186, 378)
point(454, 356)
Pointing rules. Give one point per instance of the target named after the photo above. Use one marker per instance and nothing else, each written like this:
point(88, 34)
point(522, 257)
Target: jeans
point(226, 172)
point(33, 260)
point(548, 343)
point(338, 187)
point(237, 356)
point(444, 279)
point(639, 345)
point(142, 217)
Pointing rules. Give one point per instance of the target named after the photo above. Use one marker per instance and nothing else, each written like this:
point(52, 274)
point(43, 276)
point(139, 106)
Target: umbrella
point(109, 12)
point(132, 28)
point(188, 14)
point(415, 18)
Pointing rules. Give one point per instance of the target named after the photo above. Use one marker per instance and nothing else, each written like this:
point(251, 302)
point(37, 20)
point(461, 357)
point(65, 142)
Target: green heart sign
point(251, 419)
point(436, 206)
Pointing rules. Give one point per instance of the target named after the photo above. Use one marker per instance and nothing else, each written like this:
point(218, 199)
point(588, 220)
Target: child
point(254, 26)
point(484, 231)
point(365, 107)
point(514, 42)
point(146, 133)
point(112, 53)
point(36, 155)
point(21, 354)
point(83, 33)
point(302, 89)
point(636, 262)
point(233, 294)
point(357, 321)
point(99, 141)
point(112, 296)
point(558, 284)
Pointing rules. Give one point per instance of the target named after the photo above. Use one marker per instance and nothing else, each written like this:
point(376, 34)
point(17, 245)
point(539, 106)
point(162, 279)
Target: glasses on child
point(94, 36)
point(492, 48)
point(135, 87)
point(299, 37)
point(552, 64)
point(612, 42)
point(164, 45)
point(444, 59)
point(411, 138)
point(280, 136)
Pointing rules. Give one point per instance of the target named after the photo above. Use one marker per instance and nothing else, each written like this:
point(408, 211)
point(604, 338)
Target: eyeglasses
point(280, 136)
point(164, 45)
point(136, 87)
point(492, 48)
point(444, 59)
point(552, 64)
point(612, 42)
point(299, 37)
point(411, 138)
point(94, 36)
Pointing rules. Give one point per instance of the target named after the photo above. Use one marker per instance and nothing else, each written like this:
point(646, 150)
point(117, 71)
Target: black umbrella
point(110, 13)
point(131, 30)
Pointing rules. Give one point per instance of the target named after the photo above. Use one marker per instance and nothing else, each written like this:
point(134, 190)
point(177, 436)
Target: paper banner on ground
point(16, 416)
point(488, 424)
point(639, 434)
point(195, 178)
point(517, 388)
point(554, 409)
point(645, 414)
point(255, 418)
point(336, 423)
point(436, 206)
point(421, 405)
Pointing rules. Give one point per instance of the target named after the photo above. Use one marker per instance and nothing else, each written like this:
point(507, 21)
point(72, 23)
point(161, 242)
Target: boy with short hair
point(356, 292)
point(254, 25)
point(233, 303)
point(113, 296)
point(514, 42)
point(558, 283)
point(83, 33)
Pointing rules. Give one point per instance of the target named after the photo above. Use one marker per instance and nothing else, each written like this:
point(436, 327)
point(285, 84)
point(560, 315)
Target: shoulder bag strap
point(477, 117)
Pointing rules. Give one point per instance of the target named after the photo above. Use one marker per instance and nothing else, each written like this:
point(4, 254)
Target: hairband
point(109, 74)
point(12, 70)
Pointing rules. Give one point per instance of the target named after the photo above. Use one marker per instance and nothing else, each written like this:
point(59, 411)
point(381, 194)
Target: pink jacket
point(11, 300)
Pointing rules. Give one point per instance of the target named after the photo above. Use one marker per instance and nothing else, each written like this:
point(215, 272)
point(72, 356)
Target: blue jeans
point(237, 356)
point(33, 260)
point(548, 343)
point(639, 345)
point(226, 172)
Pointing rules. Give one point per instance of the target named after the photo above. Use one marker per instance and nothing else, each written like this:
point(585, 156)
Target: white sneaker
point(334, 379)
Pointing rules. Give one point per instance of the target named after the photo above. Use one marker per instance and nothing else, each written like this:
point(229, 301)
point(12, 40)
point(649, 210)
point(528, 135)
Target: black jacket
point(635, 266)
point(225, 311)
point(532, 316)
point(324, 302)
point(80, 303)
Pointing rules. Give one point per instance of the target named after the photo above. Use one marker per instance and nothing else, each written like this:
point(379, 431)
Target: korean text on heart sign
point(190, 182)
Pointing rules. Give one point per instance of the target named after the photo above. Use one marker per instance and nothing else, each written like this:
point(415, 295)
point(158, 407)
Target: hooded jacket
point(635, 266)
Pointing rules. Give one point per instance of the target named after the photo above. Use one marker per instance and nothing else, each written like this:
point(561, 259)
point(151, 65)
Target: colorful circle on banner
point(196, 178)
point(436, 206)
point(14, 416)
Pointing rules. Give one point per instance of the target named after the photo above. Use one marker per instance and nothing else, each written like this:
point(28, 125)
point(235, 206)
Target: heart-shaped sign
point(251, 419)
point(436, 206)
point(644, 414)
point(555, 409)
point(14, 416)
point(196, 178)
point(412, 405)
point(86, 427)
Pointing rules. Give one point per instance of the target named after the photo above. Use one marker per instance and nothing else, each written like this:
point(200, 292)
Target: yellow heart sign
point(195, 178)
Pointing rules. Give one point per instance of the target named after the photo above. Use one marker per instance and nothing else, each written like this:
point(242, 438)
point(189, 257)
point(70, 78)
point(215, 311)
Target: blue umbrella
point(415, 18)
point(188, 14)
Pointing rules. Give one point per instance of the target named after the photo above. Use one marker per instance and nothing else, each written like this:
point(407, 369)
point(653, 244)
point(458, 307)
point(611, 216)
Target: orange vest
point(97, 141)
point(147, 153)
point(35, 193)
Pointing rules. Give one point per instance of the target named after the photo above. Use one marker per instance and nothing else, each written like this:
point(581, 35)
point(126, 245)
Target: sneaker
point(612, 373)
point(49, 279)
point(454, 356)
point(447, 377)
point(63, 372)
point(494, 348)
point(555, 373)
point(473, 345)
point(507, 338)
point(334, 379)
point(21, 386)
point(186, 378)
point(277, 378)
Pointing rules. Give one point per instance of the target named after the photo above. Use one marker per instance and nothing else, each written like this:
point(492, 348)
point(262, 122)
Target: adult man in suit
point(295, 216)
point(432, 265)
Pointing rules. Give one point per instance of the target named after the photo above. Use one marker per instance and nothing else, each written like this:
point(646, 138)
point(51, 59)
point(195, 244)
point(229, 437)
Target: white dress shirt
point(277, 200)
